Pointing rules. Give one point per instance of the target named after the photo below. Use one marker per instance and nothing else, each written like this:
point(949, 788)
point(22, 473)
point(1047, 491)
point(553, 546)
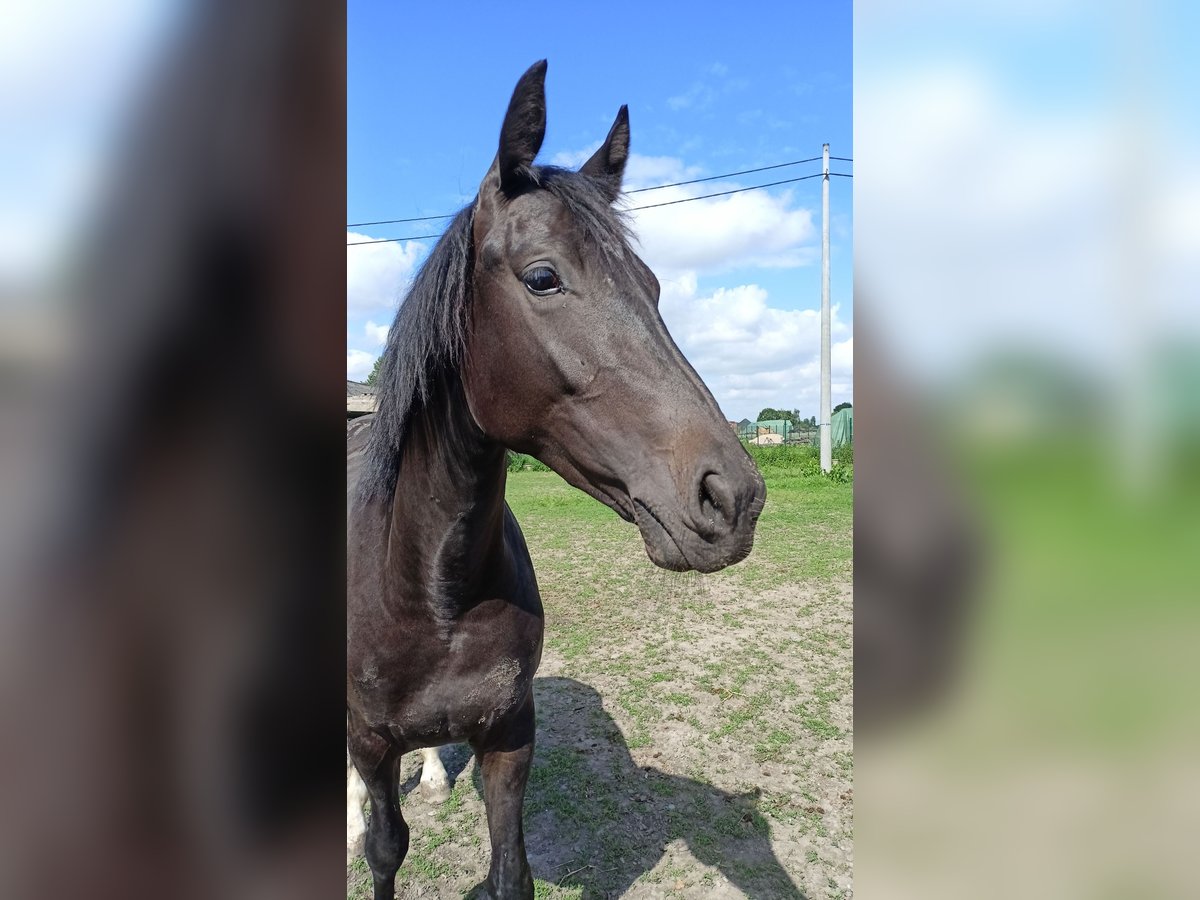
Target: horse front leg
point(386, 842)
point(505, 756)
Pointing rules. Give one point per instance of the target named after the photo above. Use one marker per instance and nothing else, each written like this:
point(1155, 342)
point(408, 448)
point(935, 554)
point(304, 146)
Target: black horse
point(532, 326)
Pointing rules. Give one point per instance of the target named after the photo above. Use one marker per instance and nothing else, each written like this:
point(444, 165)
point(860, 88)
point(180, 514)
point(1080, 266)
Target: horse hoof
point(432, 792)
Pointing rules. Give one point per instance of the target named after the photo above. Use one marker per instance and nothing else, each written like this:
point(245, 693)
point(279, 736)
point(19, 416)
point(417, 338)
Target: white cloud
point(640, 171)
point(841, 358)
point(573, 159)
point(377, 334)
point(702, 94)
point(750, 229)
point(752, 354)
point(359, 364)
point(651, 171)
point(377, 275)
point(699, 95)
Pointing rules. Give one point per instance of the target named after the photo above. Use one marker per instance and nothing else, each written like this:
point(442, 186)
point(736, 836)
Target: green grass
point(544, 890)
point(803, 534)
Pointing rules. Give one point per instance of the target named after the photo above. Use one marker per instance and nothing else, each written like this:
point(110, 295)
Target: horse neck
point(446, 540)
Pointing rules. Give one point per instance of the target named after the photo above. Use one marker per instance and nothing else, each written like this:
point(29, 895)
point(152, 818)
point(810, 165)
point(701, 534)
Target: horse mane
point(426, 339)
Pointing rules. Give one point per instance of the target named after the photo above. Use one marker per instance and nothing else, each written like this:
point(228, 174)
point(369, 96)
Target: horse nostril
point(716, 502)
point(707, 500)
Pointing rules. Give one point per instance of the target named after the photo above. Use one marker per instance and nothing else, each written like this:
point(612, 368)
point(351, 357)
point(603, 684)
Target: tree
point(843, 406)
point(769, 414)
point(374, 372)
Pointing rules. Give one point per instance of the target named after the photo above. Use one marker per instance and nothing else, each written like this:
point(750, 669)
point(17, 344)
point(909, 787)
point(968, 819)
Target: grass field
point(694, 732)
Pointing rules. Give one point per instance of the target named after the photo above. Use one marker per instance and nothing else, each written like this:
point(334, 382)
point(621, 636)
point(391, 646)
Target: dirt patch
point(701, 751)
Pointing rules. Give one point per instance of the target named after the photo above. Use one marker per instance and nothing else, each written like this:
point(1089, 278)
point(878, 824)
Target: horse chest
point(432, 691)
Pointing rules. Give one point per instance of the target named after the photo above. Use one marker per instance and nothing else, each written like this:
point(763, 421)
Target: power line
point(415, 237)
point(724, 193)
point(842, 158)
point(756, 187)
point(397, 221)
point(727, 175)
point(657, 187)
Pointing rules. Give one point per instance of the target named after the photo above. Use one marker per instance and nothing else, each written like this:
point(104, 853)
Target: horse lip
point(643, 523)
point(620, 505)
point(612, 496)
point(707, 555)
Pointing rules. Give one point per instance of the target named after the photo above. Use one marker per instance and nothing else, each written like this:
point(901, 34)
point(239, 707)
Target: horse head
point(567, 358)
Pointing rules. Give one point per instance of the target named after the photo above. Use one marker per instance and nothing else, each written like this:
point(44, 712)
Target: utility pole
point(826, 447)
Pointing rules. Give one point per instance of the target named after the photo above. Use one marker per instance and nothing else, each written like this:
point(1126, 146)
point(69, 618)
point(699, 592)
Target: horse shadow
point(596, 819)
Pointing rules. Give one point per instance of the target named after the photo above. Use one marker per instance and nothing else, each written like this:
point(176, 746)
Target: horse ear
point(608, 163)
point(522, 132)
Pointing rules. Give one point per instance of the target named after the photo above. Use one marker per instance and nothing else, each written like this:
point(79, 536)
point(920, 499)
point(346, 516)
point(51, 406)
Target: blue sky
point(708, 94)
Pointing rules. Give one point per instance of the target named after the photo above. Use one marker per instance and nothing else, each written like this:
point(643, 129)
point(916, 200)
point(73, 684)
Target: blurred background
point(172, 200)
point(1028, 407)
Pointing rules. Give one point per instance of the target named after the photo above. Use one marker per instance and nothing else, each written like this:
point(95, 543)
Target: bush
point(803, 461)
point(521, 462)
point(781, 456)
point(841, 474)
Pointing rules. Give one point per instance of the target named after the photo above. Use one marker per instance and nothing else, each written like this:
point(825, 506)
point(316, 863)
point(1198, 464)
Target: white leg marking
point(356, 816)
point(435, 786)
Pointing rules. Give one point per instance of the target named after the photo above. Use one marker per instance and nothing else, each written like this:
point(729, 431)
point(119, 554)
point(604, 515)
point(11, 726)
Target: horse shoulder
point(519, 553)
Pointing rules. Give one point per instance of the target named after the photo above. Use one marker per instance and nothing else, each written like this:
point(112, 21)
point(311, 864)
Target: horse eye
point(542, 281)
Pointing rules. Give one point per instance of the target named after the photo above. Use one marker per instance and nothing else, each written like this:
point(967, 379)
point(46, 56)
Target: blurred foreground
point(170, 451)
point(1028, 474)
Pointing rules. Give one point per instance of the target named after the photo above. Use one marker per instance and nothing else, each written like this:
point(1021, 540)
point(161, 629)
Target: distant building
point(781, 427)
point(841, 430)
point(767, 438)
point(360, 399)
point(749, 430)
